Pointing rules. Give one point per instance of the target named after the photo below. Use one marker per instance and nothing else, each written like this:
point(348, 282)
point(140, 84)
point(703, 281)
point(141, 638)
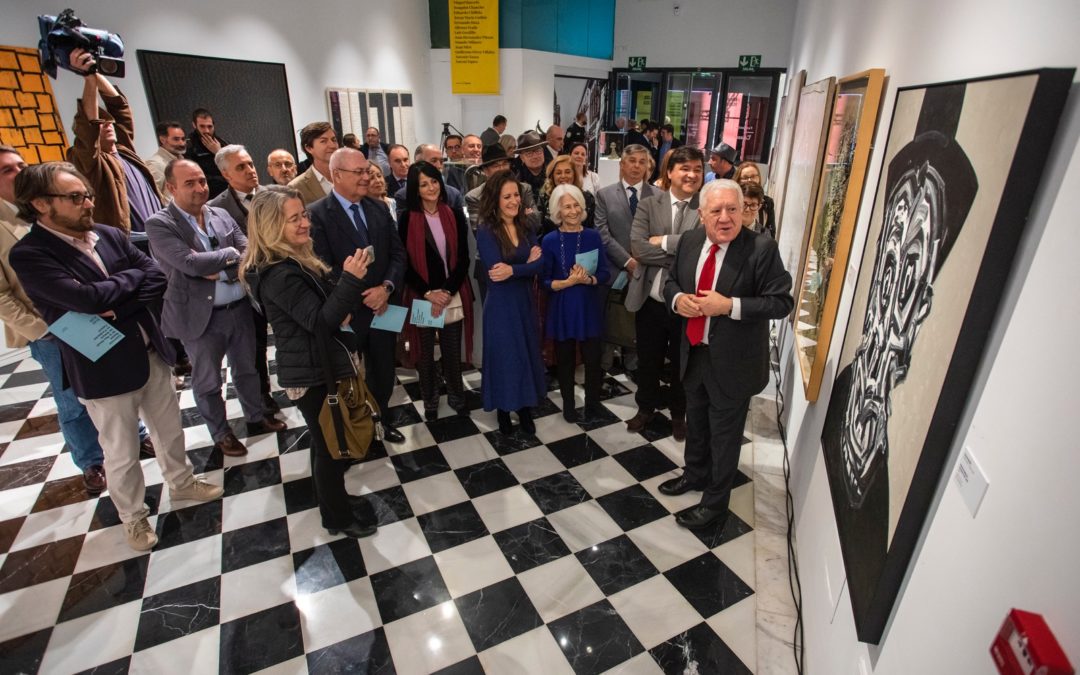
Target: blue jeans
point(75, 424)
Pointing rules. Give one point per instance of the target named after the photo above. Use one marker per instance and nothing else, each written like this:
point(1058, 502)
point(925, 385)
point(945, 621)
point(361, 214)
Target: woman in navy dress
point(575, 310)
point(513, 376)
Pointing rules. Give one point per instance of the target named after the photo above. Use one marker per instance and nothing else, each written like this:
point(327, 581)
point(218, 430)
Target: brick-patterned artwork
point(28, 117)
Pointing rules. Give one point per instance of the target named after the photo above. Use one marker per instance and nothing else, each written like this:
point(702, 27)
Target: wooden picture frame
point(960, 170)
point(855, 109)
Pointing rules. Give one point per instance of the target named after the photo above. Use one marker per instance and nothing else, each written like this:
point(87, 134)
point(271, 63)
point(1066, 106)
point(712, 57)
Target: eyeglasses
point(304, 215)
point(751, 207)
point(359, 172)
point(76, 198)
point(283, 165)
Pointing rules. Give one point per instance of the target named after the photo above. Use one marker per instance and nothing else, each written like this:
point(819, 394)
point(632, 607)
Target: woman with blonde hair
point(377, 189)
point(293, 289)
point(562, 171)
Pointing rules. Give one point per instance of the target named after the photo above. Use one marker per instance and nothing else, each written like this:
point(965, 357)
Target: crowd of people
point(192, 259)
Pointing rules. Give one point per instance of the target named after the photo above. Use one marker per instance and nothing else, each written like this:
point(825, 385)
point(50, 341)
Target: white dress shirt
point(736, 305)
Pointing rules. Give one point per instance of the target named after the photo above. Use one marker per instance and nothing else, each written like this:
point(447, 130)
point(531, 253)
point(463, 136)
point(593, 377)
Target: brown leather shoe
point(638, 421)
point(270, 406)
point(146, 448)
point(94, 479)
point(231, 446)
point(267, 426)
point(678, 428)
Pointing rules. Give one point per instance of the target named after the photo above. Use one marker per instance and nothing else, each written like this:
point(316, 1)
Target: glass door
point(688, 106)
point(747, 106)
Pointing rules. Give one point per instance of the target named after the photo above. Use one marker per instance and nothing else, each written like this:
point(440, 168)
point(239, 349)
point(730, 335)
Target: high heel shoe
point(506, 427)
point(525, 419)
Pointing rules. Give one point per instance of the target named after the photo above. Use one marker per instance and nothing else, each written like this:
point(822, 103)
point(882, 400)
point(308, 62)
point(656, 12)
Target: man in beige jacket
point(23, 327)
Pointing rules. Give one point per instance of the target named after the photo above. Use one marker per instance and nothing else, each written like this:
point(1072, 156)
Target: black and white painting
point(961, 167)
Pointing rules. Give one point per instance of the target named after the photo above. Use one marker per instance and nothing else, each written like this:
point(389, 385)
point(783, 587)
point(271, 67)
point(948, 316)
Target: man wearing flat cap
point(531, 160)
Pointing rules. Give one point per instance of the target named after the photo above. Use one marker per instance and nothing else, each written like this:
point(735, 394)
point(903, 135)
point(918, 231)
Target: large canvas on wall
point(778, 165)
point(847, 154)
point(808, 146)
point(961, 166)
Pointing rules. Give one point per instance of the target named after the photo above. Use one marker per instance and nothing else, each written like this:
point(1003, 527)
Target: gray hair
point(556, 196)
point(339, 156)
point(635, 149)
point(718, 185)
point(221, 159)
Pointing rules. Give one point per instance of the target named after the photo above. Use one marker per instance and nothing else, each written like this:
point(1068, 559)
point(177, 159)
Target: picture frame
point(855, 109)
point(960, 170)
point(781, 160)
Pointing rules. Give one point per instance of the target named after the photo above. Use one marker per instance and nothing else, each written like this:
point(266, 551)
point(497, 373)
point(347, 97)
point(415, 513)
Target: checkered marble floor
point(553, 553)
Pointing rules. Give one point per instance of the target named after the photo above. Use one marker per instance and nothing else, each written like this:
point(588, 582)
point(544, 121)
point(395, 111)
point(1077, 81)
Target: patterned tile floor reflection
point(552, 553)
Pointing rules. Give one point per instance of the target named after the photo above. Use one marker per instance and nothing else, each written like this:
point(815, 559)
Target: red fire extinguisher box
point(1025, 646)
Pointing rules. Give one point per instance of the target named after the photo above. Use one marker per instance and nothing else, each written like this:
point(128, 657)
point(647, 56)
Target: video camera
point(64, 33)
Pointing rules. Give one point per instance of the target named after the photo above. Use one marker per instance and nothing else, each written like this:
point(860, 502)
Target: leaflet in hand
point(421, 315)
point(620, 281)
point(392, 320)
point(88, 334)
point(588, 260)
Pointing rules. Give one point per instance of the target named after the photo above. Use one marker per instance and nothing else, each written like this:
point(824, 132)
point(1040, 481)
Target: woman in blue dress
point(513, 375)
point(575, 310)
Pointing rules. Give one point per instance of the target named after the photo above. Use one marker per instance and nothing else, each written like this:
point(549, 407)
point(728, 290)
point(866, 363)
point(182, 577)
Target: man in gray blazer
point(659, 223)
point(726, 283)
point(616, 206)
point(240, 173)
point(199, 249)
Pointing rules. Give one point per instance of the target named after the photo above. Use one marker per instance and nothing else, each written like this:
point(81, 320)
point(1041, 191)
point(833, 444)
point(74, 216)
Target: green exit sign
point(749, 63)
point(637, 63)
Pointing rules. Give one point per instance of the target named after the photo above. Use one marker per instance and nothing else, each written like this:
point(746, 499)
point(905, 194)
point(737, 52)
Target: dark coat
point(198, 153)
point(59, 279)
point(437, 276)
point(296, 302)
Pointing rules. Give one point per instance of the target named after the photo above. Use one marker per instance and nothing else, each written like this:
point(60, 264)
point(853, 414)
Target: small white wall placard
point(970, 480)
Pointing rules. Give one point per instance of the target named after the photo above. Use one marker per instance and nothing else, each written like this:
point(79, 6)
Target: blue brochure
point(392, 320)
point(88, 334)
point(620, 281)
point(421, 315)
point(587, 260)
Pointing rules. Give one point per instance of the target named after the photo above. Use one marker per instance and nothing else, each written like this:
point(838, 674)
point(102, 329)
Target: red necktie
point(695, 327)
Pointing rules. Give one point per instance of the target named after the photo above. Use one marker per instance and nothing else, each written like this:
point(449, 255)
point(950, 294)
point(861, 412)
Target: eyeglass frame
point(72, 196)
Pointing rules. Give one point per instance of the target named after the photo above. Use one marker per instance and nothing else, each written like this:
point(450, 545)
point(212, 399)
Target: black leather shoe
point(269, 425)
point(700, 517)
point(506, 427)
point(525, 420)
point(673, 487)
point(354, 530)
point(392, 435)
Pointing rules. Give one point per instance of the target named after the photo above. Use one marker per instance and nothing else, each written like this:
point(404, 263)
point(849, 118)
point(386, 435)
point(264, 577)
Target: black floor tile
point(105, 514)
point(299, 495)
point(485, 477)
point(260, 640)
point(419, 464)
point(328, 565)
point(390, 505)
point(206, 459)
point(368, 654)
point(254, 544)
point(117, 667)
point(61, 492)
point(25, 473)
point(645, 462)
point(733, 529)
point(700, 650)
point(576, 450)
point(178, 612)
point(26, 377)
point(294, 440)
point(39, 426)
point(409, 588)
point(508, 444)
point(15, 412)
point(556, 492)
point(105, 587)
point(596, 418)
point(616, 564)
point(658, 427)
point(252, 476)
point(632, 507)
point(595, 639)
point(530, 545)
point(39, 564)
point(470, 666)
point(495, 614)
point(708, 584)
point(452, 526)
point(9, 529)
point(447, 429)
point(25, 653)
point(189, 524)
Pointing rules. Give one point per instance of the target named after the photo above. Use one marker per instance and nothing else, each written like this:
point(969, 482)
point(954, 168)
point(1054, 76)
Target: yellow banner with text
point(474, 46)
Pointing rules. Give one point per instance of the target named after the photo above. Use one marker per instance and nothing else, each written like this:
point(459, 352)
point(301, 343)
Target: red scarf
point(416, 246)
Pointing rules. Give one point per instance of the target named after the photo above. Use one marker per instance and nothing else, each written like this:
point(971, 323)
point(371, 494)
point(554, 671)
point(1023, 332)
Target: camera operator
point(125, 193)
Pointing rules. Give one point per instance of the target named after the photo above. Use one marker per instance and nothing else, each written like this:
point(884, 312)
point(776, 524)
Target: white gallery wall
point(1022, 549)
point(342, 43)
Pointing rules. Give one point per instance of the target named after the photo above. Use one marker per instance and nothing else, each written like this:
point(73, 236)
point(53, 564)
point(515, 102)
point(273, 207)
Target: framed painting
point(961, 166)
point(847, 153)
point(781, 159)
point(807, 148)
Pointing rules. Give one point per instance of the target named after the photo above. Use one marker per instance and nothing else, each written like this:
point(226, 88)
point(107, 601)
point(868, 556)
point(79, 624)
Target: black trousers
point(327, 473)
point(450, 344)
point(714, 431)
point(566, 362)
point(659, 333)
point(261, 365)
point(379, 351)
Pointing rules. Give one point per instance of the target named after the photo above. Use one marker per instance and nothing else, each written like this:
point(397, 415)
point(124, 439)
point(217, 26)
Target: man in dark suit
point(69, 264)
point(342, 222)
point(202, 145)
point(199, 249)
point(491, 134)
point(658, 226)
point(616, 206)
point(726, 283)
point(239, 171)
point(375, 151)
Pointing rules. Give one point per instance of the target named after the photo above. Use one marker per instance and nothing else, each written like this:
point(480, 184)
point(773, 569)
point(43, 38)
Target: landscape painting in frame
point(961, 166)
point(847, 155)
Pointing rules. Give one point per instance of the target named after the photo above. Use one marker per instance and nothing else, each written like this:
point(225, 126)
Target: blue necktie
point(359, 224)
point(633, 199)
